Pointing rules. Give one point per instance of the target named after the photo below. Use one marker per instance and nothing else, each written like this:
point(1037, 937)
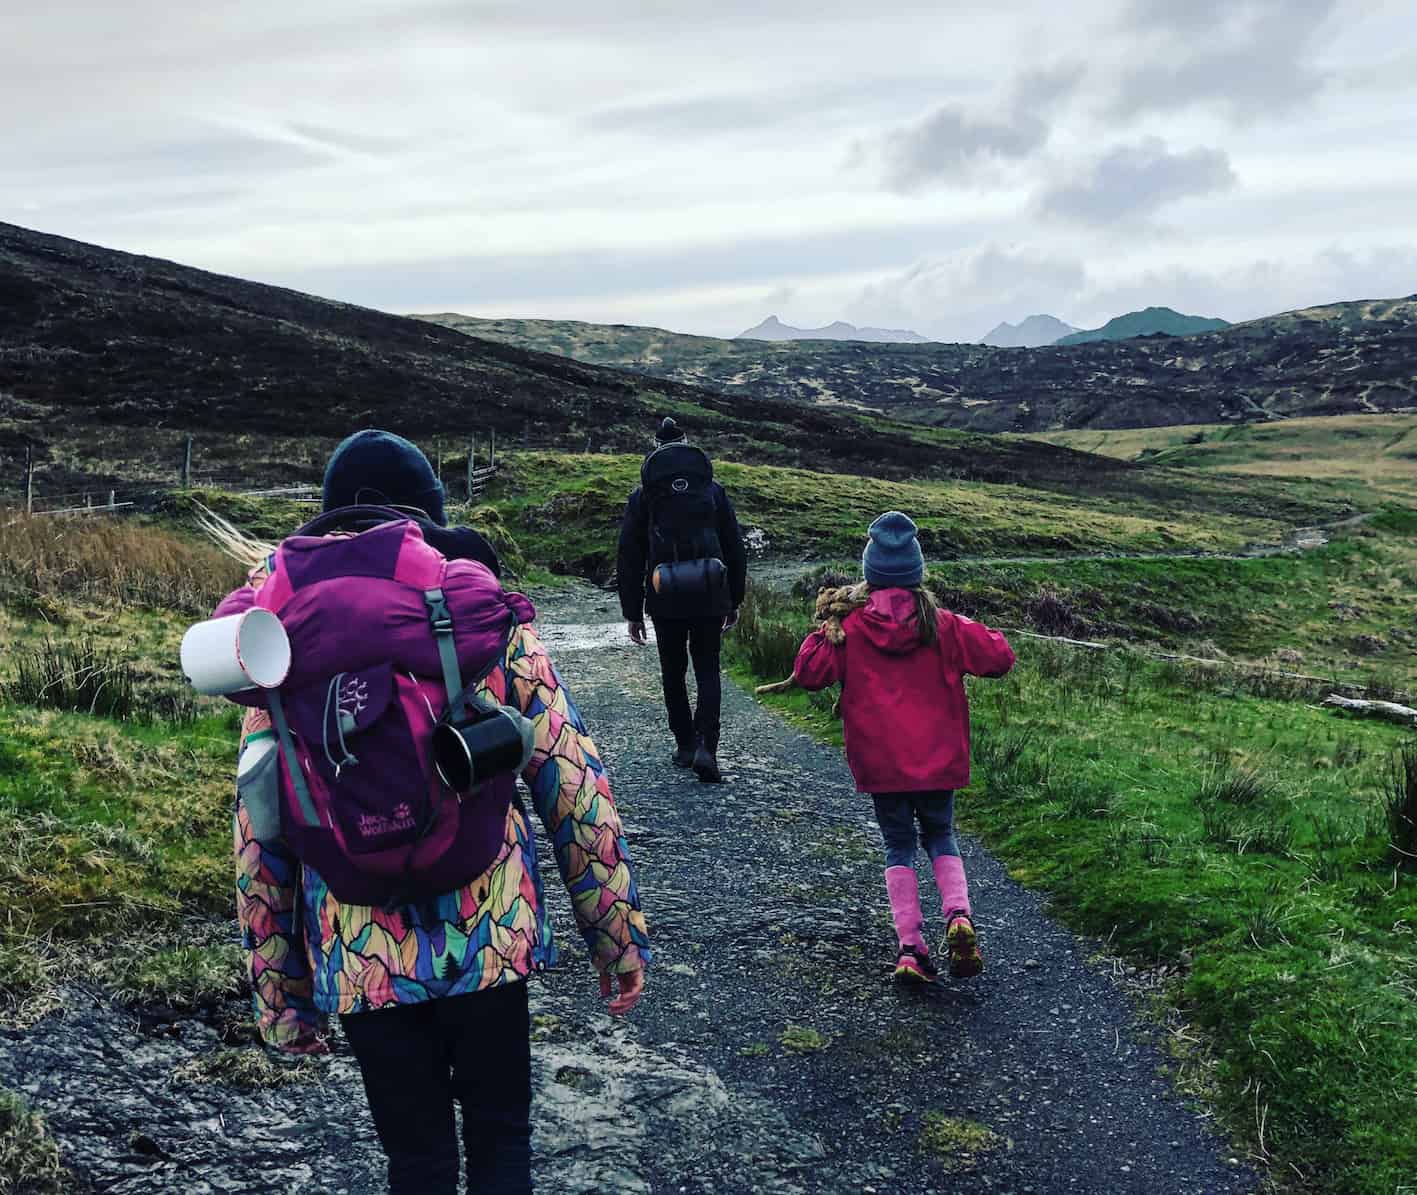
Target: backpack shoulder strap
point(441, 620)
point(469, 693)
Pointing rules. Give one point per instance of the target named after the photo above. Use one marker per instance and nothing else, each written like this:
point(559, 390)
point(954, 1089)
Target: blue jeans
point(897, 815)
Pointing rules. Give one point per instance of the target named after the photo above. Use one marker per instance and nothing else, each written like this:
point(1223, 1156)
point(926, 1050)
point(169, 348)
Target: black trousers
point(418, 1058)
point(679, 641)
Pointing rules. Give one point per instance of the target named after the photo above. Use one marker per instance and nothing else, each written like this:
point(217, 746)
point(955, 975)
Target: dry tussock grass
point(101, 560)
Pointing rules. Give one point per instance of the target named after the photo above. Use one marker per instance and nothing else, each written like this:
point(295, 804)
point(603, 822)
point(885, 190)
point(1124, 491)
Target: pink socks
point(949, 878)
point(904, 894)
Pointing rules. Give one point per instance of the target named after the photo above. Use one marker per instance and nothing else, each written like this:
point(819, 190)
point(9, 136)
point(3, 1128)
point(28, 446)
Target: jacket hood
point(888, 621)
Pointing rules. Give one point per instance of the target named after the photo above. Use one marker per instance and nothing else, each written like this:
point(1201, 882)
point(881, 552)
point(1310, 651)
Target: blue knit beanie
point(385, 470)
point(892, 556)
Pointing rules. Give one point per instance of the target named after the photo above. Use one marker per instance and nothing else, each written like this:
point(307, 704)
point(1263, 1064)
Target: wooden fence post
point(111, 496)
point(187, 465)
point(471, 464)
point(492, 451)
point(29, 479)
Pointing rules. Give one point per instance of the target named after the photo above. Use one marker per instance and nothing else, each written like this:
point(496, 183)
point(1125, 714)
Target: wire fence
point(34, 500)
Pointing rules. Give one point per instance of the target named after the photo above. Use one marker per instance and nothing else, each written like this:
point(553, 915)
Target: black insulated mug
point(472, 750)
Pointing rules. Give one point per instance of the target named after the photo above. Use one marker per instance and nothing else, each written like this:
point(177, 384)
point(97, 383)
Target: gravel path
point(767, 912)
point(771, 1053)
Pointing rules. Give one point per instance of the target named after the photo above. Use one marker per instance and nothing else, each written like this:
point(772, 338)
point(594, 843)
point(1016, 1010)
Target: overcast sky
point(929, 165)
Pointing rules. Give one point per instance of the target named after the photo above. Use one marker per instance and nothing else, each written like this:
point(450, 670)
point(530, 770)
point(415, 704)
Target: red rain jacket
point(903, 706)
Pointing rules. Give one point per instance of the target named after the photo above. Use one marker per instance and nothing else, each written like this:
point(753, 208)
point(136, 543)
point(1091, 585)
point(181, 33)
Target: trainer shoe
point(683, 757)
point(962, 945)
point(915, 965)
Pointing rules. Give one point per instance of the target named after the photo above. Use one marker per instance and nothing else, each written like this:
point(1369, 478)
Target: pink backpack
point(389, 641)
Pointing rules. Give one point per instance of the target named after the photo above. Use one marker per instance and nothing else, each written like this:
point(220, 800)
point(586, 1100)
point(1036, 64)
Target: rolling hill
point(1150, 321)
point(1345, 358)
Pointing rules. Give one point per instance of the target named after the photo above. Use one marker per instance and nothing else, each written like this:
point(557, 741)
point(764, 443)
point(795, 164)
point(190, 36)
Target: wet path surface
point(771, 1053)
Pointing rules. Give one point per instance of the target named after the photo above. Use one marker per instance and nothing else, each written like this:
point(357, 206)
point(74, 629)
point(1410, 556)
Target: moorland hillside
point(1345, 358)
point(108, 359)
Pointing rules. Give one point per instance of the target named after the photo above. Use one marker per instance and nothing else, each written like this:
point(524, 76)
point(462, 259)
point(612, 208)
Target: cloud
point(953, 141)
point(1132, 182)
point(962, 296)
point(949, 142)
point(1251, 58)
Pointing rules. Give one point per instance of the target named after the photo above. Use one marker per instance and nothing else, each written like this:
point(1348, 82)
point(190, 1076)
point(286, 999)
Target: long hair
point(234, 542)
point(926, 607)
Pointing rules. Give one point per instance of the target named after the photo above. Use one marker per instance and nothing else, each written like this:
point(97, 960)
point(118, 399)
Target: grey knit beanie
point(892, 556)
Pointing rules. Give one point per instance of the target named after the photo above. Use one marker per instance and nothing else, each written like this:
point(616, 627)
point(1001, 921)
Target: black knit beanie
point(668, 432)
point(383, 469)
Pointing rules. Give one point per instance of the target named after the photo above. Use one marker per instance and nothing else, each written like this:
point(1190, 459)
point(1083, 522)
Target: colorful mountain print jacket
point(312, 955)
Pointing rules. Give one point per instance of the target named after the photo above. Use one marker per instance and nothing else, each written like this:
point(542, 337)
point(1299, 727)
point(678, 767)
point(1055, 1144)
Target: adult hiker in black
point(682, 561)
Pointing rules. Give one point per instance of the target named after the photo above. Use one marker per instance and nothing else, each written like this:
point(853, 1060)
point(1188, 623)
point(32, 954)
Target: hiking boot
point(962, 944)
point(914, 965)
point(706, 765)
point(683, 757)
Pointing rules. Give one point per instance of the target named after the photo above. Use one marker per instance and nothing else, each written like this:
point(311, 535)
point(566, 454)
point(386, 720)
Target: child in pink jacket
point(901, 663)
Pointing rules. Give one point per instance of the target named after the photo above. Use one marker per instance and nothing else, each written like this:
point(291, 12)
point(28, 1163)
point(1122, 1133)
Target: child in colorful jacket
point(901, 662)
point(432, 997)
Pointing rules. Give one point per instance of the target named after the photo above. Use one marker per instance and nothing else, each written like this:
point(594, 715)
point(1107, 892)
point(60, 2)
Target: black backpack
point(677, 482)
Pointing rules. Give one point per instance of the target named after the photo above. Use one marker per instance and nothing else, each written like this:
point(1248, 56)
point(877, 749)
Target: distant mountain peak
point(773, 328)
point(1033, 332)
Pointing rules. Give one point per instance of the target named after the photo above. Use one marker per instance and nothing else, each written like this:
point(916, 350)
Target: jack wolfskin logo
point(353, 696)
point(375, 825)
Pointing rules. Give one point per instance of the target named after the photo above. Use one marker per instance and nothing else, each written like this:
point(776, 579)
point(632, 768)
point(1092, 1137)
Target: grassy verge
point(115, 782)
point(115, 831)
point(1239, 837)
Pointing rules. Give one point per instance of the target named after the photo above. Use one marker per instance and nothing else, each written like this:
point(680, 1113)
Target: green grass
point(1343, 610)
point(1242, 839)
point(564, 511)
point(802, 1039)
point(29, 1156)
point(112, 829)
point(1352, 452)
point(246, 1068)
point(959, 1145)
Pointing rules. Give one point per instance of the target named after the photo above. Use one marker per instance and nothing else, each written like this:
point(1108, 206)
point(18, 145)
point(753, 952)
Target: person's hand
point(632, 986)
point(731, 620)
point(638, 634)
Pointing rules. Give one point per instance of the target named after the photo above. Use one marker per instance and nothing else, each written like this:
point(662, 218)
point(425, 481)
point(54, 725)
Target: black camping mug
point(469, 751)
